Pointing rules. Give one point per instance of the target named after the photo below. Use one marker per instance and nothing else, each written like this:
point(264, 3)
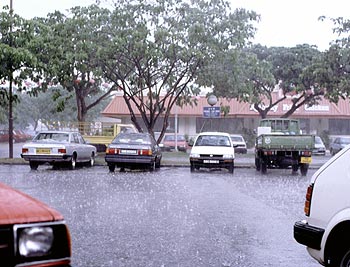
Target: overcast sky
point(283, 22)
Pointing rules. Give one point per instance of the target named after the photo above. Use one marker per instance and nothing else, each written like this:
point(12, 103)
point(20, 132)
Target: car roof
point(50, 131)
point(214, 133)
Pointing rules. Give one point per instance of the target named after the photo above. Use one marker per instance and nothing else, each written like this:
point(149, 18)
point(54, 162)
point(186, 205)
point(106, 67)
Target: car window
point(132, 139)
point(172, 138)
point(213, 140)
point(345, 140)
point(61, 137)
point(237, 138)
point(318, 140)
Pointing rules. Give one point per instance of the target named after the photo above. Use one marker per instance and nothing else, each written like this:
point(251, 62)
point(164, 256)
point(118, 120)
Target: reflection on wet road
point(173, 217)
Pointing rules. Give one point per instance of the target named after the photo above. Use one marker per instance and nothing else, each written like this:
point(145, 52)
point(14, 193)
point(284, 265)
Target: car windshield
point(213, 140)
point(60, 137)
point(318, 140)
point(132, 139)
point(345, 140)
point(172, 138)
point(237, 138)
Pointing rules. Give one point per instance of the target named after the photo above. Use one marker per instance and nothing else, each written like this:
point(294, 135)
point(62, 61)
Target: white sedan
point(57, 147)
point(212, 150)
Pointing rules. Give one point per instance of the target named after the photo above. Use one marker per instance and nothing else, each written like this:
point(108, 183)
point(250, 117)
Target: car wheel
point(92, 160)
point(73, 162)
point(111, 168)
point(263, 167)
point(192, 168)
point(158, 163)
point(33, 165)
point(152, 166)
point(303, 169)
point(345, 262)
point(257, 164)
point(295, 168)
point(231, 168)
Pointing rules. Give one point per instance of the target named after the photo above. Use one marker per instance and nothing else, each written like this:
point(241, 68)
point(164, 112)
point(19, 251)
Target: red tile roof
point(118, 108)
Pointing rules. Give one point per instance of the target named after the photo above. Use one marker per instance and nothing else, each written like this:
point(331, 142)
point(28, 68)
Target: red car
point(18, 136)
point(169, 142)
point(31, 233)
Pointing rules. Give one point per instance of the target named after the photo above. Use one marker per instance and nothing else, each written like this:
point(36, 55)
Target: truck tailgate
point(285, 142)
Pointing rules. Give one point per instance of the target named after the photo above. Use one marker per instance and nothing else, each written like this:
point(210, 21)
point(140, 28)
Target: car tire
point(92, 160)
point(231, 168)
point(111, 167)
point(303, 169)
point(263, 167)
point(257, 164)
point(152, 166)
point(345, 261)
point(192, 168)
point(158, 163)
point(295, 168)
point(73, 162)
point(33, 165)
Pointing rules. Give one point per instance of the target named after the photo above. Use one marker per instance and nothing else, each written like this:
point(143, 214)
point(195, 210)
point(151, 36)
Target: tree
point(334, 74)
point(157, 50)
point(68, 53)
point(32, 110)
point(17, 63)
point(257, 72)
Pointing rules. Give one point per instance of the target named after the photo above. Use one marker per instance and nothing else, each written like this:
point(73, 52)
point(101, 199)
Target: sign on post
point(211, 112)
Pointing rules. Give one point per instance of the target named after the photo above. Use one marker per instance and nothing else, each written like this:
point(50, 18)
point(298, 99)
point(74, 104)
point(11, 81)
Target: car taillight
point(62, 150)
point(112, 151)
point(25, 150)
point(308, 199)
point(268, 153)
point(145, 152)
point(306, 153)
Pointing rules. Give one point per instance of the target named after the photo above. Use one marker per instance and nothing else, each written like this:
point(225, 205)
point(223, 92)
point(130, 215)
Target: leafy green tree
point(334, 73)
point(32, 110)
point(17, 62)
point(67, 51)
point(156, 51)
point(257, 72)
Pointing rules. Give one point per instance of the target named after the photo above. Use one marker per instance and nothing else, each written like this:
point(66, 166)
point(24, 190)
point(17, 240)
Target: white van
point(326, 230)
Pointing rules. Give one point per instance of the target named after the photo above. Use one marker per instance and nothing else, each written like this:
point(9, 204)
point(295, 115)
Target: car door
point(84, 150)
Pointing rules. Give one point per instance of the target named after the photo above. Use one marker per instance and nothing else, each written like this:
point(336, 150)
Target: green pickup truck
point(280, 144)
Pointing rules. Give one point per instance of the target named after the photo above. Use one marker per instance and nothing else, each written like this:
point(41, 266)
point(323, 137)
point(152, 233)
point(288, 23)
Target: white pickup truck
point(326, 229)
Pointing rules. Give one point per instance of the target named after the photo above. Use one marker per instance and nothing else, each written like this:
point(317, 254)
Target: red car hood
point(17, 207)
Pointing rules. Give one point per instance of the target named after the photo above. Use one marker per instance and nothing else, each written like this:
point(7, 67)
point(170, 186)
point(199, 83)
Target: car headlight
point(35, 241)
point(194, 155)
point(228, 156)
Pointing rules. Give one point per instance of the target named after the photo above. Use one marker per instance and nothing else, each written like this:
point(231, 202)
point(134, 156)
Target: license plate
point(305, 160)
point(210, 161)
point(43, 151)
point(128, 152)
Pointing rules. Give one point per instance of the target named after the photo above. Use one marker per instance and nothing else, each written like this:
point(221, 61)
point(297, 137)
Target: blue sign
point(211, 112)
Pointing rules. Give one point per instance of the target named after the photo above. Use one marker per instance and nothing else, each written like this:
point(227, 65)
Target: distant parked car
point(320, 148)
point(133, 151)
point(212, 150)
point(31, 233)
point(170, 140)
point(18, 136)
point(239, 143)
point(338, 144)
point(58, 147)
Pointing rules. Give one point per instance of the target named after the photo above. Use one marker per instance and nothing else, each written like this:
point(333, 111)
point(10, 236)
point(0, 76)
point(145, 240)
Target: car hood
point(212, 150)
point(17, 207)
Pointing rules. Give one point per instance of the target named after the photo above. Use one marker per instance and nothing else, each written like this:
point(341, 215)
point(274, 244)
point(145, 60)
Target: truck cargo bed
point(285, 142)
